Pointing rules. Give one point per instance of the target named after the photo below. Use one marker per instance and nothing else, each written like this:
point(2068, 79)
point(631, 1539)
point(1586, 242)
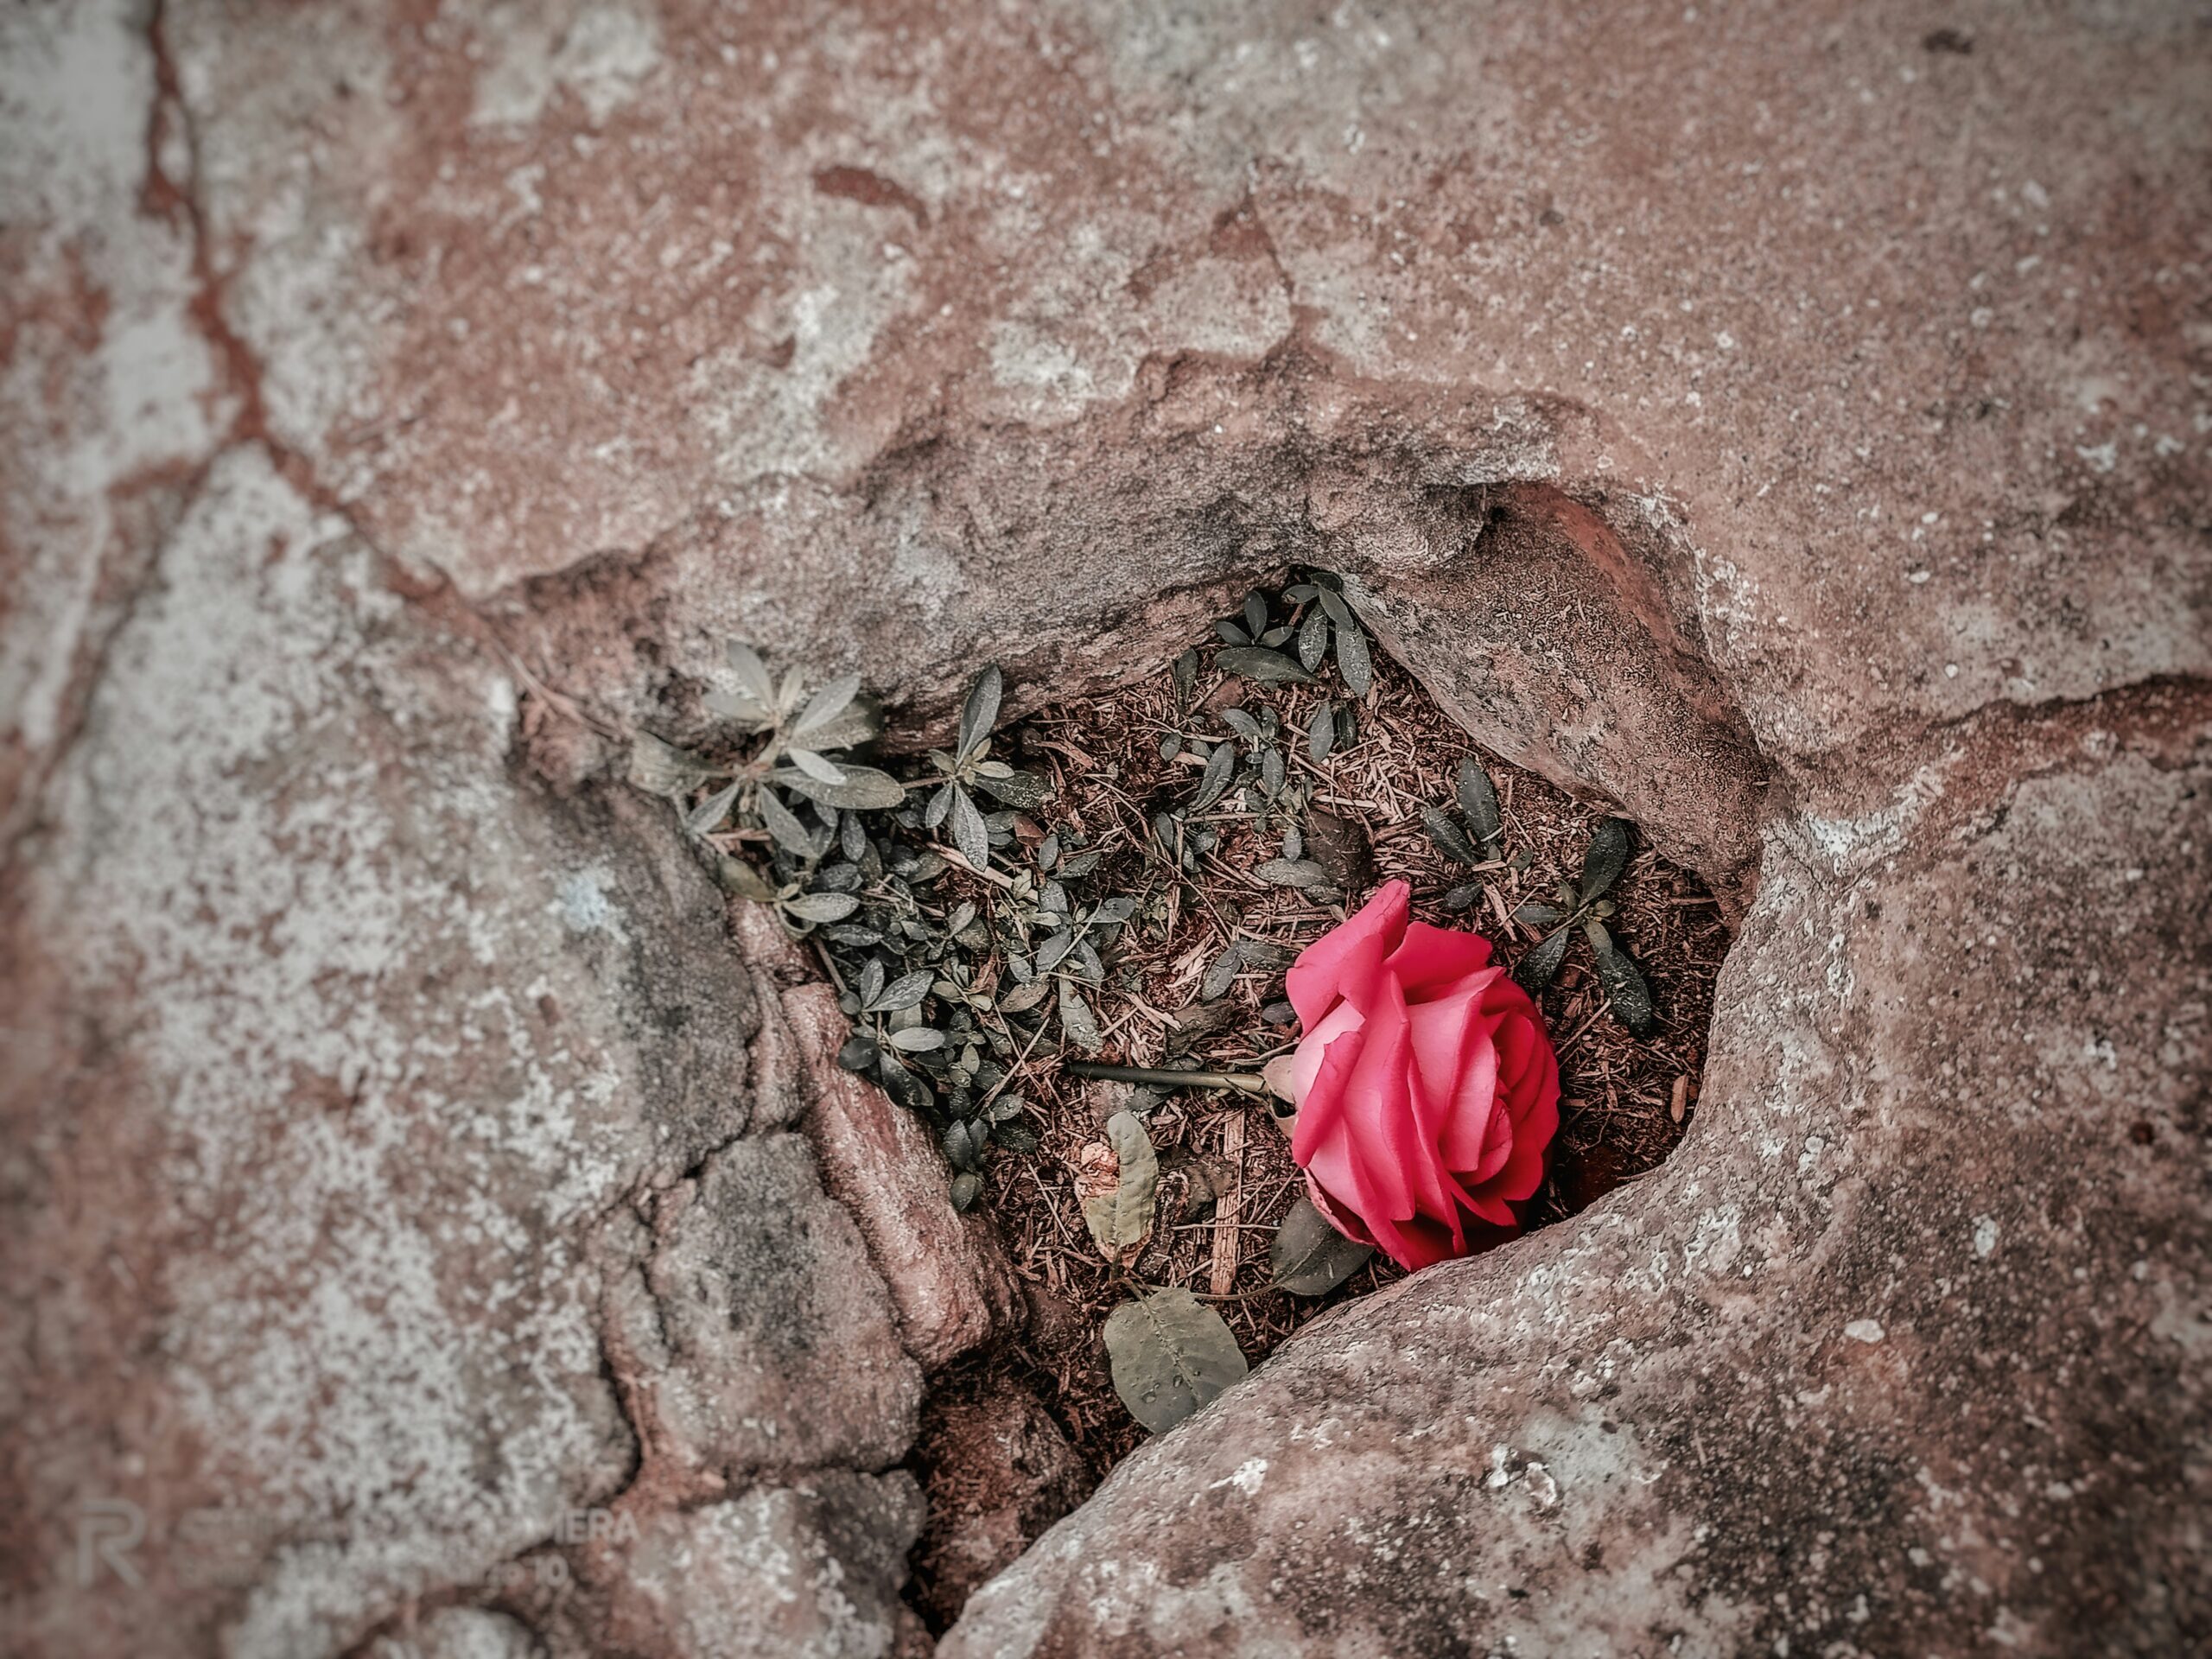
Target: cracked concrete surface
point(1787, 424)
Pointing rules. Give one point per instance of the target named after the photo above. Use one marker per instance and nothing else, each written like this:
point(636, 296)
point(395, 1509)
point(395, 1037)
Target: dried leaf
point(1607, 857)
point(980, 712)
point(1257, 663)
point(1022, 791)
point(968, 833)
point(864, 790)
point(1292, 873)
point(1077, 1021)
point(1171, 1354)
point(916, 1040)
point(1120, 1217)
point(1311, 1258)
point(1022, 998)
point(1222, 973)
point(1321, 731)
point(735, 876)
point(1478, 800)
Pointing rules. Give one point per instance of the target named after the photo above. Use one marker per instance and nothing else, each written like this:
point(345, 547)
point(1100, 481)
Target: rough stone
point(950, 1278)
point(811, 1572)
point(1788, 425)
point(1905, 1349)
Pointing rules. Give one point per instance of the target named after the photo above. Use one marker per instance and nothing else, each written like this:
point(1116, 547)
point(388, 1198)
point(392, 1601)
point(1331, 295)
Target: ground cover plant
point(1122, 881)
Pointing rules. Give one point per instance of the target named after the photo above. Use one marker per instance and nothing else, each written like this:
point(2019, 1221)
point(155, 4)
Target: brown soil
point(1626, 1098)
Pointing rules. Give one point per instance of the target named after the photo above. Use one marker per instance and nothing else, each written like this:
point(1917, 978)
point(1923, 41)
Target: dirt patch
point(1118, 762)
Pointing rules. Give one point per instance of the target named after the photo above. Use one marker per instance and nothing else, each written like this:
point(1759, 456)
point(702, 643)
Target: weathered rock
point(471, 1633)
point(1891, 1356)
point(1840, 384)
point(810, 1572)
point(753, 1335)
point(950, 1280)
point(340, 1055)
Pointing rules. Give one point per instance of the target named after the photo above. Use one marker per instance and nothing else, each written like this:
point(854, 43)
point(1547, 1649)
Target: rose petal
point(1345, 960)
point(1429, 961)
point(1306, 1063)
point(1318, 1141)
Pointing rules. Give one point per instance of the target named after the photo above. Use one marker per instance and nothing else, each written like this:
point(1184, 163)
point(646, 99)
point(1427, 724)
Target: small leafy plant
point(1626, 994)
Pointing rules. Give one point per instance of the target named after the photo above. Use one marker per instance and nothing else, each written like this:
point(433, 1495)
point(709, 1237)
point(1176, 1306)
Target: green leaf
point(1460, 898)
point(1240, 722)
point(1171, 744)
point(1120, 1220)
point(966, 1187)
point(1255, 614)
point(1314, 639)
point(1626, 993)
point(905, 992)
point(869, 985)
point(703, 817)
point(1222, 973)
point(753, 676)
point(1333, 606)
point(1271, 771)
point(1023, 791)
point(1186, 671)
point(864, 790)
point(1259, 664)
point(1322, 730)
point(1478, 800)
point(1536, 915)
point(1213, 783)
point(782, 823)
point(1449, 837)
point(1311, 1258)
point(825, 705)
point(1607, 857)
point(859, 1052)
point(1171, 1354)
point(916, 1040)
point(1292, 873)
point(1541, 965)
point(822, 906)
point(1231, 633)
point(980, 712)
point(1077, 1021)
point(1353, 659)
point(961, 1146)
point(663, 769)
point(815, 767)
point(968, 833)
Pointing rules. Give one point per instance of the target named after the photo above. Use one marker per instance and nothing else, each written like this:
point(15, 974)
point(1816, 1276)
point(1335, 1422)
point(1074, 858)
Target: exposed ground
point(1227, 1176)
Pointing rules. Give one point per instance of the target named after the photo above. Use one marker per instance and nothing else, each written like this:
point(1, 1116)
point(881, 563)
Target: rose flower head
point(1427, 1089)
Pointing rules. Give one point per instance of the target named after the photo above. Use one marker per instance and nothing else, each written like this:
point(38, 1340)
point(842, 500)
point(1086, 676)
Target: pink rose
point(1425, 1085)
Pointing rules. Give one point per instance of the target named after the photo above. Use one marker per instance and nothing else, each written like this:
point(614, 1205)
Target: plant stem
point(1244, 1083)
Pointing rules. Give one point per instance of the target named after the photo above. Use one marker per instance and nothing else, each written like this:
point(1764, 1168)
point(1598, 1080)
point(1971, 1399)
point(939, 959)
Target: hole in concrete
point(1015, 1437)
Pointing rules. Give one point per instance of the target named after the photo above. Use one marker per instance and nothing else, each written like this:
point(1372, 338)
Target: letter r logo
point(108, 1530)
